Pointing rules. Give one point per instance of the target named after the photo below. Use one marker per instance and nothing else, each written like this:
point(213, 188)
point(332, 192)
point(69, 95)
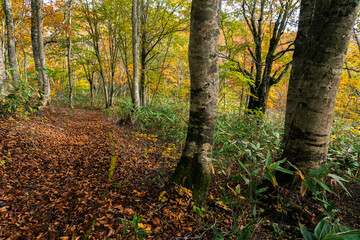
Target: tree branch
point(67, 5)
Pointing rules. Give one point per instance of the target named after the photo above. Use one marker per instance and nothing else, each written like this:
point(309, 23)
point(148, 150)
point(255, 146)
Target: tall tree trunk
point(307, 9)
point(143, 75)
point(69, 66)
point(11, 44)
point(194, 168)
point(135, 18)
point(324, 33)
point(3, 82)
point(92, 92)
point(143, 54)
point(38, 47)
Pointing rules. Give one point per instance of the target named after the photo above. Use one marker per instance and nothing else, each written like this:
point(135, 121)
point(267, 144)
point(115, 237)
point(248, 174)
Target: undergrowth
point(243, 158)
point(20, 98)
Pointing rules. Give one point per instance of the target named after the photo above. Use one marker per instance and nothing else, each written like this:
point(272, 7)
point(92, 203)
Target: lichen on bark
point(320, 49)
point(194, 169)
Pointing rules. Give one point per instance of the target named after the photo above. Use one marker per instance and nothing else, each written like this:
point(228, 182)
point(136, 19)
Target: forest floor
point(76, 174)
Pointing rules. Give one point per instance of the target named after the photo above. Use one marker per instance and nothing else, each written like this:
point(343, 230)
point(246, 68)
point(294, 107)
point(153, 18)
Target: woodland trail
point(55, 184)
point(54, 180)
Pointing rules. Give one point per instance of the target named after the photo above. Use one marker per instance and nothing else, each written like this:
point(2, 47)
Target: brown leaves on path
point(54, 181)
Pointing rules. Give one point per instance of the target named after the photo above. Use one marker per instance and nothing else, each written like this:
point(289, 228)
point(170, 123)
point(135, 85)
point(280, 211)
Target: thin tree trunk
point(69, 66)
point(11, 40)
point(194, 168)
point(143, 71)
point(322, 45)
point(143, 54)
point(23, 49)
point(37, 41)
point(3, 82)
point(135, 18)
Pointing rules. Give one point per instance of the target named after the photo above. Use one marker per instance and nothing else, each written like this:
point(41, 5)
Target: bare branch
point(274, 79)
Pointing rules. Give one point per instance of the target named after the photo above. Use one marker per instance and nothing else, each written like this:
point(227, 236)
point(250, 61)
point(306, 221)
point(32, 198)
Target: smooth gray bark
point(11, 43)
point(194, 168)
point(3, 83)
point(135, 18)
point(37, 41)
point(324, 32)
point(69, 66)
point(306, 17)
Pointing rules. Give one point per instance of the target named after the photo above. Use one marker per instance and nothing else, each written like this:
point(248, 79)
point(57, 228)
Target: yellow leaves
point(355, 131)
point(162, 197)
point(298, 172)
point(139, 194)
point(212, 169)
point(236, 191)
point(279, 208)
point(222, 205)
point(145, 136)
point(183, 191)
point(303, 189)
point(170, 151)
point(147, 227)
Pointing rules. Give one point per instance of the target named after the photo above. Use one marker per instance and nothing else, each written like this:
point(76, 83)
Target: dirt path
point(54, 184)
point(54, 174)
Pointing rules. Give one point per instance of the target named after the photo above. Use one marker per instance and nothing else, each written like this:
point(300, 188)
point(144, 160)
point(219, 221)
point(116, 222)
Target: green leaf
point(261, 190)
point(284, 170)
point(277, 164)
point(322, 229)
point(311, 186)
point(244, 167)
point(255, 172)
point(268, 159)
point(317, 171)
point(339, 180)
point(305, 233)
point(350, 235)
point(254, 211)
point(271, 177)
point(323, 185)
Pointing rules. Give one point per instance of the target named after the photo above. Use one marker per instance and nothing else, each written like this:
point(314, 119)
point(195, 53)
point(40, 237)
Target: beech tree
point(37, 40)
point(194, 168)
point(69, 66)
point(324, 30)
point(38, 45)
point(3, 83)
point(135, 19)
point(11, 45)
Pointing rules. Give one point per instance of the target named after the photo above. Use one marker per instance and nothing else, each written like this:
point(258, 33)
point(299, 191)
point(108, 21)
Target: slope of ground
point(75, 174)
point(55, 180)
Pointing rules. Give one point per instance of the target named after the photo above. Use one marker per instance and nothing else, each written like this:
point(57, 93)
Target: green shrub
point(20, 99)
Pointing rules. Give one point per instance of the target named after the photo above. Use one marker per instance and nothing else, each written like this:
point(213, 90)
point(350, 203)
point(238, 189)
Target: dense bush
point(20, 99)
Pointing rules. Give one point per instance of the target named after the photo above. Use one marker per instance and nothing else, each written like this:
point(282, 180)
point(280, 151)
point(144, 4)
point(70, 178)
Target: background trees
point(104, 59)
point(260, 52)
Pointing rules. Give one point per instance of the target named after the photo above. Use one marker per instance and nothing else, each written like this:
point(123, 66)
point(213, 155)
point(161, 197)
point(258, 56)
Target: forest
point(180, 119)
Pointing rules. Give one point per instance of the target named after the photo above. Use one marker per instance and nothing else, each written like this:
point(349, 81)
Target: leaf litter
point(76, 174)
